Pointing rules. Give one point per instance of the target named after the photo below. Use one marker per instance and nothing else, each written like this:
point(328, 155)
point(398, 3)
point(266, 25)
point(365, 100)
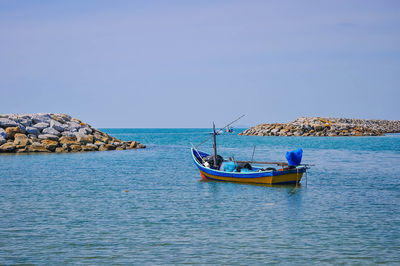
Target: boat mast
point(215, 145)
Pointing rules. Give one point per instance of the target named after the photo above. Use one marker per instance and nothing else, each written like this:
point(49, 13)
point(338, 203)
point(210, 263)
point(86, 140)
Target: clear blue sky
point(188, 63)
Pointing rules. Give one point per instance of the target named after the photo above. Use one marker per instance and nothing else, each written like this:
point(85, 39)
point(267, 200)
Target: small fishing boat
point(245, 175)
point(214, 167)
point(229, 129)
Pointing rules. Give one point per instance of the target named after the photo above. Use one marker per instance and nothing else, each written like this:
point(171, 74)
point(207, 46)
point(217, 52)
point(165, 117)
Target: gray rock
point(51, 131)
point(322, 126)
point(5, 122)
point(68, 134)
point(32, 130)
point(83, 131)
point(3, 133)
point(72, 126)
point(57, 125)
point(2, 140)
point(275, 130)
point(40, 118)
point(25, 122)
point(41, 125)
point(22, 128)
point(62, 118)
point(88, 130)
point(48, 136)
point(141, 146)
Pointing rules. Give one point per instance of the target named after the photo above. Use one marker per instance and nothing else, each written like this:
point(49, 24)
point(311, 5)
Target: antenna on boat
point(220, 130)
point(215, 145)
point(252, 156)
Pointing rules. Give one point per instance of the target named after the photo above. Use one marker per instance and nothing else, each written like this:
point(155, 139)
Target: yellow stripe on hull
point(285, 178)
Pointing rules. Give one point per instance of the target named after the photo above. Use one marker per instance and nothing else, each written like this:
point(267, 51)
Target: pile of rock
point(55, 133)
point(319, 126)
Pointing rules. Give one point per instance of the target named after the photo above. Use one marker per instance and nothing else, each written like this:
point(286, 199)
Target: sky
point(157, 64)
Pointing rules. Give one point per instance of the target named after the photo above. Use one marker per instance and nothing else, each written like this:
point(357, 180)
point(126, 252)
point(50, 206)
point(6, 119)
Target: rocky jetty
point(320, 126)
point(55, 133)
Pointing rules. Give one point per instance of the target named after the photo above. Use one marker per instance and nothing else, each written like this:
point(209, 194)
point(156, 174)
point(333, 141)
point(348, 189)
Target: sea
point(150, 207)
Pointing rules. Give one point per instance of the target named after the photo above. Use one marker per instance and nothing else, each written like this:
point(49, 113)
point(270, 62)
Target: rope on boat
point(306, 176)
point(220, 130)
point(197, 152)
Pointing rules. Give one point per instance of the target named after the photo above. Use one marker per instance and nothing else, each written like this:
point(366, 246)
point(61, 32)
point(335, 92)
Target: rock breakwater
point(46, 132)
point(320, 126)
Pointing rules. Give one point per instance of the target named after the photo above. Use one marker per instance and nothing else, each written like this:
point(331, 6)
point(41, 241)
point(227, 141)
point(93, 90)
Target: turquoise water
point(149, 206)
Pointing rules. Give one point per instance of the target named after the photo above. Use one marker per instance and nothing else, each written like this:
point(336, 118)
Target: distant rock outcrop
point(55, 133)
point(320, 126)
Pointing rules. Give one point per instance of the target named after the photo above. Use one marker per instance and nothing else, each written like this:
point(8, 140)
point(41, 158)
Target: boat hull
point(281, 179)
point(263, 177)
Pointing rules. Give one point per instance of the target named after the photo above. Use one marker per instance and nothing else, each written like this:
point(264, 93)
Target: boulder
point(22, 128)
point(89, 130)
point(133, 145)
point(141, 146)
point(68, 140)
point(102, 148)
point(45, 132)
point(83, 131)
point(83, 139)
point(76, 120)
point(318, 127)
point(33, 131)
point(89, 147)
point(275, 130)
point(109, 147)
point(103, 137)
point(51, 131)
point(50, 144)
point(11, 131)
point(75, 148)
point(61, 149)
point(62, 118)
point(5, 122)
point(73, 126)
point(20, 140)
point(42, 125)
point(8, 147)
point(57, 125)
point(40, 118)
point(48, 136)
point(25, 122)
point(37, 147)
point(21, 150)
point(68, 134)
point(3, 133)
point(32, 137)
